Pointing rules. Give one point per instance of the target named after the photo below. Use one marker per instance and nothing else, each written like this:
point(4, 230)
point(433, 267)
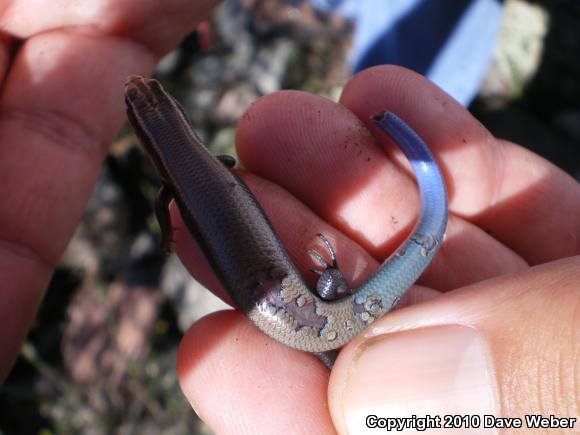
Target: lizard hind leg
point(331, 284)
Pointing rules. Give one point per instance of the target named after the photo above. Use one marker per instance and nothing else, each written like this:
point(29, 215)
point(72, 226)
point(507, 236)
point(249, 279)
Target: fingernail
point(437, 372)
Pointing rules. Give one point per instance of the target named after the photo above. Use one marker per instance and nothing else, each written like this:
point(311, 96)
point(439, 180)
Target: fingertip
point(402, 91)
point(451, 132)
point(201, 339)
point(229, 371)
point(492, 183)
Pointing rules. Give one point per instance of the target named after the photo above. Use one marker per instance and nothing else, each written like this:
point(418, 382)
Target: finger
point(516, 196)
point(296, 226)
point(231, 373)
point(56, 121)
point(157, 25)
point(298, 229)
point(506, 347)
point(323, 155)
point(59, 109)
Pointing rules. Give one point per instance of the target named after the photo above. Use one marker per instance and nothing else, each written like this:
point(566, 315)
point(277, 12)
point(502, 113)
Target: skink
point(241, 246)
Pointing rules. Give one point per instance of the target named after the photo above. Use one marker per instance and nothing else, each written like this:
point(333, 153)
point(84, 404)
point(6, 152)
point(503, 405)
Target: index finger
point(516, 196)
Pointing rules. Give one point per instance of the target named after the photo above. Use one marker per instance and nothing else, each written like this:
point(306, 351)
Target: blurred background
point(101, 356)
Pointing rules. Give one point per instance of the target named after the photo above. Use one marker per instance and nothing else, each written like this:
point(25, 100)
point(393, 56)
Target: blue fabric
point(449, 41)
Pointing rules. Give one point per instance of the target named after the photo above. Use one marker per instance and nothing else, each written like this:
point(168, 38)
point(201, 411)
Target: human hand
point(61, 105)
point(504, 342)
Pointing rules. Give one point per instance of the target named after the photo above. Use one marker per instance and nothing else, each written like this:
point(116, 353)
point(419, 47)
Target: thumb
point(507, 348)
